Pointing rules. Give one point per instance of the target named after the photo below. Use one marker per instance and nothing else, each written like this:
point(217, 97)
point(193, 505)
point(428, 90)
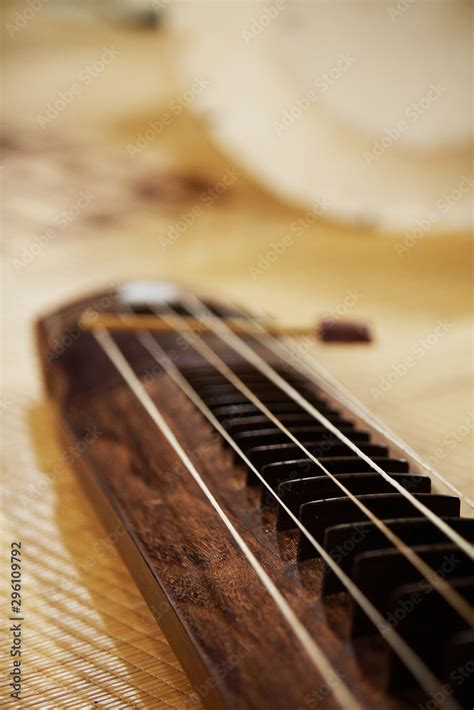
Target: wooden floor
point(86, 207)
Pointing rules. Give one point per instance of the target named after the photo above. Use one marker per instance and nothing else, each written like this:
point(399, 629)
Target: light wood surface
point(89, 639)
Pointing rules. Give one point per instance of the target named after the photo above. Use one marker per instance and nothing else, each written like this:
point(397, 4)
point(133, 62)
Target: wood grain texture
point(91, 637)
point(233, 640)
point(221, 621)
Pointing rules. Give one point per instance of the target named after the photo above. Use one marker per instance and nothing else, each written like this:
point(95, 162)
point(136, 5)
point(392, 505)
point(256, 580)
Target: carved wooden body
point(230, 636)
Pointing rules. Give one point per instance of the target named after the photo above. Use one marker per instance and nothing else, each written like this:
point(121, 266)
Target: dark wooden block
point(320, 515)
point(295, 493)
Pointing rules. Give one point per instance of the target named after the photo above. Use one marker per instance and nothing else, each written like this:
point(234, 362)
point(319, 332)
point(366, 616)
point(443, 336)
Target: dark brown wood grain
point(228, 633)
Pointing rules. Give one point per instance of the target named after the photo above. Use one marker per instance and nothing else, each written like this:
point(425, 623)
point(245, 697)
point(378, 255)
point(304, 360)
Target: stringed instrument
point(294, 552)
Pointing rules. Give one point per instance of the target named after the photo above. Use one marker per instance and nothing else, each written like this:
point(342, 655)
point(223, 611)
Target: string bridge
point(92, 320)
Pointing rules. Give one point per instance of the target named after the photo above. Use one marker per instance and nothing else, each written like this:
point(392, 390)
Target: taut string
point(450, 594)
point(395, 641)
point(344, 696)
point(322, 378)
point(249, 354)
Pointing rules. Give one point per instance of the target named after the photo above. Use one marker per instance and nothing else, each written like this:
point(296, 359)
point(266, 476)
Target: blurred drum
point(361, 111)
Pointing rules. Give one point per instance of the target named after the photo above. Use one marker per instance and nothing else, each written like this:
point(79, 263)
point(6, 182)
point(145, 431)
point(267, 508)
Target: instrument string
point(449, 593)
point(424, 676)
point(285, 350)
point(195, 305)
point(342, 693)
